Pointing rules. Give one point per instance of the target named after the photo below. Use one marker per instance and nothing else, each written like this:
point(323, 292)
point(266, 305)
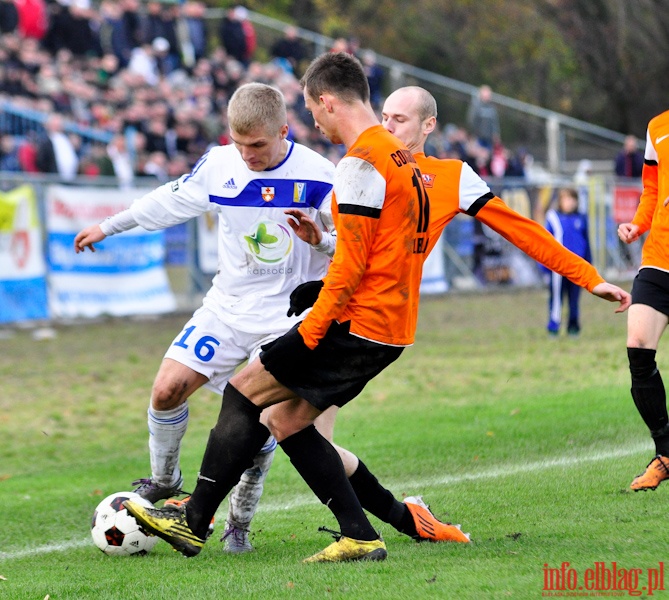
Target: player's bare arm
point(304, 226)
point(628, 232)
point(87, 237)
point(613, 293)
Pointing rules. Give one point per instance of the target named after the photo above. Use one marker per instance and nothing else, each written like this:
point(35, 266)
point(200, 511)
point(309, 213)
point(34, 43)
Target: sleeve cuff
point(327, 244)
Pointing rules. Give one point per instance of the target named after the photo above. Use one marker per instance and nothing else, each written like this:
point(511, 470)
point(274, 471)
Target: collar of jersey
point(291, 145)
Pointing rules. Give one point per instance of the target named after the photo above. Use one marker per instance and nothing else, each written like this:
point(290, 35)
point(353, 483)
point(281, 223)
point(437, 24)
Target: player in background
point(250, 183)
point(648, 316)
point(364, 316)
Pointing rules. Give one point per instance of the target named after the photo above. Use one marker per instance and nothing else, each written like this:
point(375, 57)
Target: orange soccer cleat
point(429, 527)
point(656, 472)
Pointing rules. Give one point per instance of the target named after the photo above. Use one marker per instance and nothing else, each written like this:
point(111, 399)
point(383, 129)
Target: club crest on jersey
point(428, 180)
point(267, 194)
point(299, 192)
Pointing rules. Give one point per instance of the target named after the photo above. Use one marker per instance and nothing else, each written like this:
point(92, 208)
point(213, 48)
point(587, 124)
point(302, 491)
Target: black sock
point(233, 443)
point(380, 502)
point(650, 396)
point(318, 463)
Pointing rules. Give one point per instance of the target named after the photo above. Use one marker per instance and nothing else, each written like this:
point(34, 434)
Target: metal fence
point(25, 123)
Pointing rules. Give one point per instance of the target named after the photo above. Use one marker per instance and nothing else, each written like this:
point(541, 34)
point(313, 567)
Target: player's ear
point(326, 99)
point(429, 125)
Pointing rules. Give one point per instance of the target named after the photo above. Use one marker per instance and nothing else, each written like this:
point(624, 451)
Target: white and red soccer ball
point(116, 532)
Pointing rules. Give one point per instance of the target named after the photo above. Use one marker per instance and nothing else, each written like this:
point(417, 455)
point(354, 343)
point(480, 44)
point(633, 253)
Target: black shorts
point(334, 372)
point(651, 287)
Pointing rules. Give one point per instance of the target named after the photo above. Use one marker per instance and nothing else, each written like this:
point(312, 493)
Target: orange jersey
point(381, 214)
point(453, 188)
point(651, 213)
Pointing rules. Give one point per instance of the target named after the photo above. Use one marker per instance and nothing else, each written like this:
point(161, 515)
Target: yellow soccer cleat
point(347, 549)
point(429, 527)
point(168, 523)
point(176, 502)
point(656, 472)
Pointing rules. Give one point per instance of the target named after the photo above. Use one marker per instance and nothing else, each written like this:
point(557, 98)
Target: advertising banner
point(22, 267)
point(126, 274)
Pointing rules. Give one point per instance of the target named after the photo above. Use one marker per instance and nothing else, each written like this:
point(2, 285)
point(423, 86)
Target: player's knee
point(642, 363)
point(281, 428)
point(167, 395)
point(349, 460)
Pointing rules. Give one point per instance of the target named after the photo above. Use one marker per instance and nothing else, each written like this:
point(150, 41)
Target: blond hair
point(254, 106)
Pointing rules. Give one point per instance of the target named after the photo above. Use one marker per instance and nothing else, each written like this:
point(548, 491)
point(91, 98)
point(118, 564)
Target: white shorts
point(214, 349)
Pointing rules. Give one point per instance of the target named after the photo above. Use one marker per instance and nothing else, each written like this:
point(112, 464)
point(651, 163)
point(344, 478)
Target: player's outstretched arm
point(628, 232)
point(613, 293)
point(87, 237)
point(304, 226)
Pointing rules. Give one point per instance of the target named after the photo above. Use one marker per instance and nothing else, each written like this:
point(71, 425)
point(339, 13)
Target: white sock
point(245, 496)
point(166, 430)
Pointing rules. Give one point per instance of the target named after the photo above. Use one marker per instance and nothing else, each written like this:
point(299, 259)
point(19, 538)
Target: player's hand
point(613, 293)
point(304, 226)
point(87, 237)
point(628, 232)
point(304, 296)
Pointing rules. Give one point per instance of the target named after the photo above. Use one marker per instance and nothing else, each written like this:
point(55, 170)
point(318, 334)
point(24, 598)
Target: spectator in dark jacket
point(629, 162)
point(9, 16)
point(55, 151)
point(231, 34)
point(289, 51)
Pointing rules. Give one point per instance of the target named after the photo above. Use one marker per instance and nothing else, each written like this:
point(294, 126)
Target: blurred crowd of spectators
point(156, 78)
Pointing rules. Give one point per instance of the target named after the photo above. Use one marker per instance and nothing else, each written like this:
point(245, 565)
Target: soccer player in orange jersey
point(410, 113)
point(649, 314)
point(364, 316)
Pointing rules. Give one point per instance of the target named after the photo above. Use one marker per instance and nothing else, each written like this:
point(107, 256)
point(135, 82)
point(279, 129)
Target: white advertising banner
point(126, 274)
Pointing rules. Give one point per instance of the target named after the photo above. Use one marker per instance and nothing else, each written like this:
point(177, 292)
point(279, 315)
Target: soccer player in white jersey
point(252, 184)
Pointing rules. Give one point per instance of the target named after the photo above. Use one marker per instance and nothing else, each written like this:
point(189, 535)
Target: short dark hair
point(338, 73)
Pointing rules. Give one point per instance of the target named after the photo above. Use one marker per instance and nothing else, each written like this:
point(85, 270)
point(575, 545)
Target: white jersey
point(260, 260)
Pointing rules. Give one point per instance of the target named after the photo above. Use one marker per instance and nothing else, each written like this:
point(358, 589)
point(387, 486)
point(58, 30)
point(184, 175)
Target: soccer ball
point(116, 532)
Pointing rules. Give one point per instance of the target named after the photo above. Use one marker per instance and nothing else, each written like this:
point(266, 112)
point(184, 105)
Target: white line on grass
point(299, 501)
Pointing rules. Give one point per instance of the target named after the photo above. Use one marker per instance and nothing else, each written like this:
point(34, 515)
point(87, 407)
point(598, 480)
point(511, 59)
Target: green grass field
point(530, 442)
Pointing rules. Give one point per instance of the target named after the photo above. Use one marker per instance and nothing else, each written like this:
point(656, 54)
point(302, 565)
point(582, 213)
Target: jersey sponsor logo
point(299, 192)
point(267, 194)
point(664, 137)
point(230, 184)
point(428, 179)
point(268, 242)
